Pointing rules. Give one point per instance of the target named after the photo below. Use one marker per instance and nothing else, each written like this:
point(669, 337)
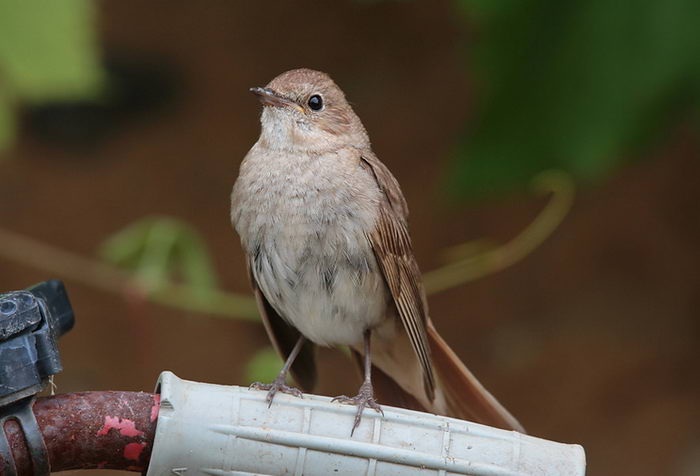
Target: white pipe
point(217, 430)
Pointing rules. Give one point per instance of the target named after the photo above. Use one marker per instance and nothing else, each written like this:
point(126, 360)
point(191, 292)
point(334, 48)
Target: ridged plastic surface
point(216, 430)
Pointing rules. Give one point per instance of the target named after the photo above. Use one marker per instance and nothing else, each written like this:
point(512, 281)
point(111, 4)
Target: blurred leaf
point(160, 250)
point(264, 366)
point(124, 247)
point(48, 49)
point(573, 85)
point(196, 267)
point(7, 122)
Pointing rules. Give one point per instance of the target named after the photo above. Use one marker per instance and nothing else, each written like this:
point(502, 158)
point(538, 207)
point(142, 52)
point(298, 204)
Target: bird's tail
point(465, 397)
point(398, 381)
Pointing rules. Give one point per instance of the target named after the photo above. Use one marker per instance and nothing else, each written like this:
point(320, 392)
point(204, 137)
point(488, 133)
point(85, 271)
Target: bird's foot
point(364, 398)
point(277, 385)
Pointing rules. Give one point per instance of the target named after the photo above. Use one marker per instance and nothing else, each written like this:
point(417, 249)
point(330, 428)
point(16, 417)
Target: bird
point(324, 228)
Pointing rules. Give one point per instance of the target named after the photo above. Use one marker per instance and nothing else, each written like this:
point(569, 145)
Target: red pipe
point(91, 430)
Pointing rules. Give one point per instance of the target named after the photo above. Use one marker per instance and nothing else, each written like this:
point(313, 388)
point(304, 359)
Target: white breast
point(303, 220)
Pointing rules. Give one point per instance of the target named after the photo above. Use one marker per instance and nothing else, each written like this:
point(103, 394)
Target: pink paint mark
point(156, 407)
point(126, 427)
point(101, 465)
point(133, 450)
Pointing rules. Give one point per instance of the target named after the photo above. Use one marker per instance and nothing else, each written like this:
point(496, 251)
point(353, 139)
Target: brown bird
point(324, 226)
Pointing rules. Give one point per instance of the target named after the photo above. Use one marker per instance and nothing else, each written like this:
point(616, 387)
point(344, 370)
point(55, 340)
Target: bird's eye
point(316, 102)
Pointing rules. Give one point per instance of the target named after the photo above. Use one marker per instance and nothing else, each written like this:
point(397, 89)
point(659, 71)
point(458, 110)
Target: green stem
point(474, 267)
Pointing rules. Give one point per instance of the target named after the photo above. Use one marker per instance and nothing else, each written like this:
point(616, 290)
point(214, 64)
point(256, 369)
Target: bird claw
point(363, 399)
point(277, 385)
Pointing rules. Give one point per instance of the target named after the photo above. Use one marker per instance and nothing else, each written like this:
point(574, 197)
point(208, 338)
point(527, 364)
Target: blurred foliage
point(7, 120)
point(474, 260)
point(576, 85)
point(48, 50)
point(263, 366)
point(170, 264)
point(159, 250)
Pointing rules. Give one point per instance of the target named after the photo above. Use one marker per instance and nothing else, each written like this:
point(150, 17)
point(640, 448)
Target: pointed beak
point(270, 97)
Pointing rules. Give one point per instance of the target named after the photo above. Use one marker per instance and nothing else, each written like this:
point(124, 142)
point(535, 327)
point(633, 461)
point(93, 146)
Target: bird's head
point(305, 110)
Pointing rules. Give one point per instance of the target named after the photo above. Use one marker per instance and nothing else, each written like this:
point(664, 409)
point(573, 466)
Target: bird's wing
point(283, 337)
point(464, 395)
point(392, 248)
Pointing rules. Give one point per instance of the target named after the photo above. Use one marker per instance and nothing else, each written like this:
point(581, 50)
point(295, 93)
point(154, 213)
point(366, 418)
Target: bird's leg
point(365, 396)
point(279, 384)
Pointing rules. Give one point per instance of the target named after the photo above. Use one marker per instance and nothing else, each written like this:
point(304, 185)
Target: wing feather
point(392, 248)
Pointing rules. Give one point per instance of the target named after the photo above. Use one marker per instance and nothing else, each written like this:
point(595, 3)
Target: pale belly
point(303, 222)
point(331, 295)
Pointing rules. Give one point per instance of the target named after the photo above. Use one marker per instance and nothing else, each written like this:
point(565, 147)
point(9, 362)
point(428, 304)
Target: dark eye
point(316, 102)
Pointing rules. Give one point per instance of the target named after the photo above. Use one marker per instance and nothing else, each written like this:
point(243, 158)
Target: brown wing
point(283, 337)
point(392, 248)
point(465, 396)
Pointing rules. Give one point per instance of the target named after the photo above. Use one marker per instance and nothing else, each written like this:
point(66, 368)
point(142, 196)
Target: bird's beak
point(270, 97)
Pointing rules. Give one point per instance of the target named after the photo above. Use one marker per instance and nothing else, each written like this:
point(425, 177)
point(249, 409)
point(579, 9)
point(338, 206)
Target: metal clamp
point(21, 412)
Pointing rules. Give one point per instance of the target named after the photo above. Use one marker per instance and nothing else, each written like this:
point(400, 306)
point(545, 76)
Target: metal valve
point(31, 321)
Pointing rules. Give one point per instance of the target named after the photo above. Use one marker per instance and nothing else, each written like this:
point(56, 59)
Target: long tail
point(465, 396)
point(397, 380)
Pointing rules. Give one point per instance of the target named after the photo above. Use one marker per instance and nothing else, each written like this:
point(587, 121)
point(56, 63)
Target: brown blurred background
point(592, 339)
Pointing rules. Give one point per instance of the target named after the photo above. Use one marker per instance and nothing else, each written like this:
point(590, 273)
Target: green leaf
point(124, 247)
point(195, 264)
point(48, 49)
point(7, 123)
point(264, 366)
point(575, 85)
point(161, 250)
